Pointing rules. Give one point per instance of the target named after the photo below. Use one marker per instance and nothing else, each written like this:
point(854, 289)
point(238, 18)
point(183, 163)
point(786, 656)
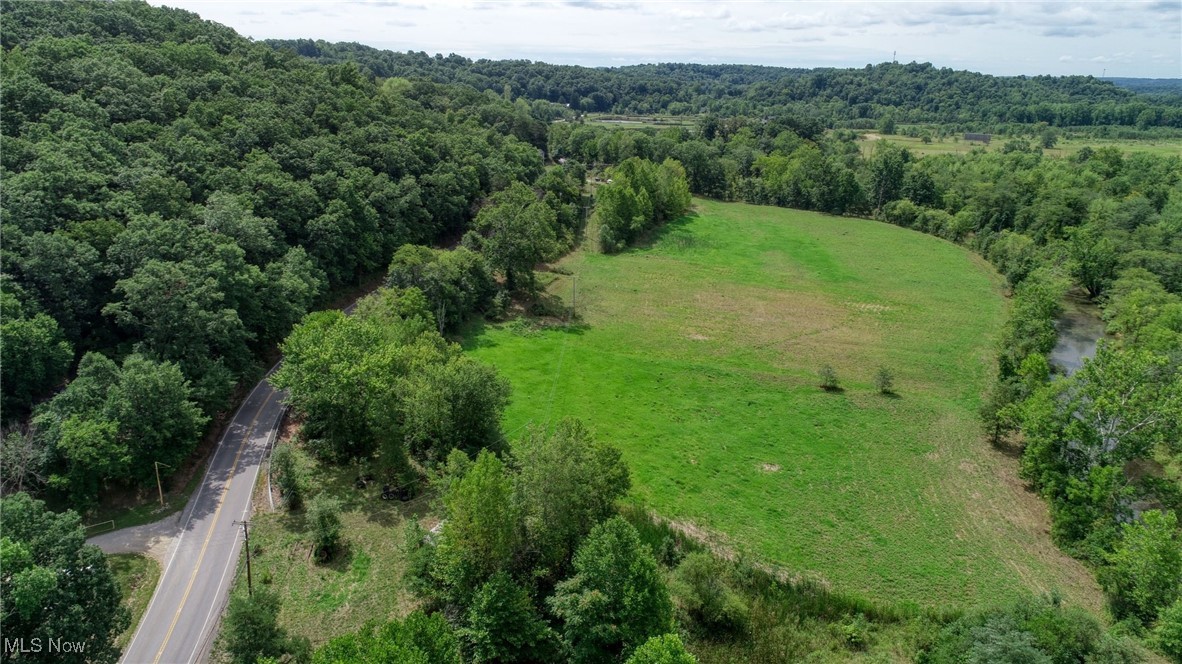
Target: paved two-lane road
point(178, 626)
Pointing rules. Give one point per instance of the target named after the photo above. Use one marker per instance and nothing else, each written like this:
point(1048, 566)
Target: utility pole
point(159, 487)
point(246, 538)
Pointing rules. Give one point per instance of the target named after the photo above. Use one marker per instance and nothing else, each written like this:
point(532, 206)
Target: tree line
point(914, 92)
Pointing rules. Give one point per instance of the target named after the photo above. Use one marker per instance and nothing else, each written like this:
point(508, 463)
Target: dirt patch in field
point(771, 319)
point(770, 467)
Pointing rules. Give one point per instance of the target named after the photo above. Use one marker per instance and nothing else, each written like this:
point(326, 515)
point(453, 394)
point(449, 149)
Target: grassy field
point(1064, 148)
point(137, 576)
point(698, 356)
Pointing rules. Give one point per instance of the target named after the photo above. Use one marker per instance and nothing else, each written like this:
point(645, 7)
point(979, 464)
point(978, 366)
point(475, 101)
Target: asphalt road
point(179, 624)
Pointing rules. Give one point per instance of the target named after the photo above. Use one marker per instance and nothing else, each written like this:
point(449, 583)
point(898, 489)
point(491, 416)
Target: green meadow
point(698, 353)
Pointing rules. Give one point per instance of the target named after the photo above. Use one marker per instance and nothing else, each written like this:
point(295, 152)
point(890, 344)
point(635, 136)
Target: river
point(1080, 331)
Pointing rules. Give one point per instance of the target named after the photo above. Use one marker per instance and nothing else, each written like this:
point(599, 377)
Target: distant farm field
point(698, 357)
point(1066, 147)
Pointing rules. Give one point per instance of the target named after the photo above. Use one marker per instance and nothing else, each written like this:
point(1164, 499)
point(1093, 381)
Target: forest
point(182, 204)
point(915, 92)
point(176, 198)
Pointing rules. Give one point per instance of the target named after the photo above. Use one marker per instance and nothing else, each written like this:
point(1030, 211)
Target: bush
point(854, 632)
point(252, 630)
point(1029, 631)
point(418, 638)
point(884, 380)
point(288, 477)
point(664, 649)
point(1116, 650)
point(324, 521)
point(1000, 640)
point(701, 594)
point(828, 379)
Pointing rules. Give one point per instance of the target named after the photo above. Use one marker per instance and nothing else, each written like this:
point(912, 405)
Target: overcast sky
point(1121, 38)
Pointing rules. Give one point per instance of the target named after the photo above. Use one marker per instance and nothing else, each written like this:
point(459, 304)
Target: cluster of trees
point(783, 161)
point(112, 423)
point(384, 383)
point(639, 195)
point(56, 588)
point(915, 92)
point(531, 563)
point(456, 283)
point(177, 197)
point(1087, 436)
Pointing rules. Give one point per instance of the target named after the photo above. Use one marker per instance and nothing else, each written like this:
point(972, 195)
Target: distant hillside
point(1148, 85)
point(915, 92)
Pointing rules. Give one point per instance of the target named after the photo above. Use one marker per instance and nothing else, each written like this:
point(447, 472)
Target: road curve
point(180, 622)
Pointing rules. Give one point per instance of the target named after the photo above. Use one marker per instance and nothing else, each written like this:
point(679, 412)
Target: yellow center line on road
point(217, 513)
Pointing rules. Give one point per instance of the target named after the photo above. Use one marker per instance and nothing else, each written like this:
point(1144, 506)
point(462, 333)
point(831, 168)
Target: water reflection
point(1080, 330)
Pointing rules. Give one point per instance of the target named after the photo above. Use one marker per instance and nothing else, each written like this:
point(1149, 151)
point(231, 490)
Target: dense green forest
point(906, 92)
point(177, 199)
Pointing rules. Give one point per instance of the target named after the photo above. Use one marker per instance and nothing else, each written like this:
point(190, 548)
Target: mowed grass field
point(698, 357)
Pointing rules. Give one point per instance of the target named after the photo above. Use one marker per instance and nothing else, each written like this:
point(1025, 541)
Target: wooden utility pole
point(246, 538)
point(159, 487)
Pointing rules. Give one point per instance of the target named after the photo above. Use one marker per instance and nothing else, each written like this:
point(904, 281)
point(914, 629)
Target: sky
point(1113, 38)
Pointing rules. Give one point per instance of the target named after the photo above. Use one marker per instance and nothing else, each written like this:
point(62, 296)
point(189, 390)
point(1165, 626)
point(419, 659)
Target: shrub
point(702, 595)
point(854, 632)
point(664, 649)
point(884, 380)
point(288, 477)
point(252, 630)
point(418, 638)
point(1116, 650)
point(828, 378)
point(1029, 631)
point(1000, 640)
point(324, 520)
